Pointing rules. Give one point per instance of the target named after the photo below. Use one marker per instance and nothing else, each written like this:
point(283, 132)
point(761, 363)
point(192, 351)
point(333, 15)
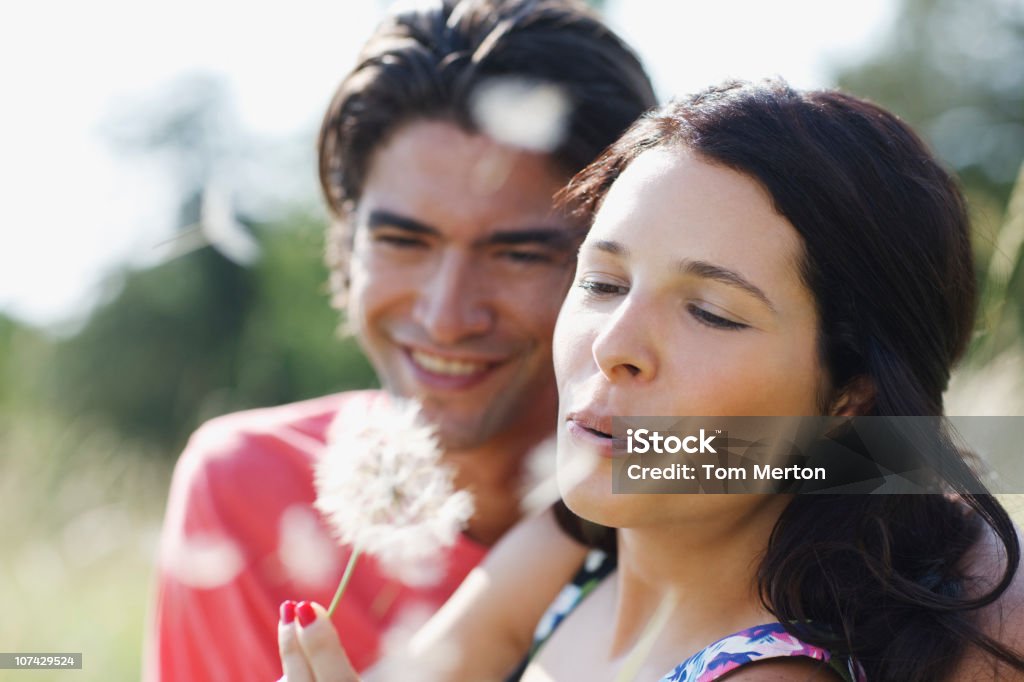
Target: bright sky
point(76, 210)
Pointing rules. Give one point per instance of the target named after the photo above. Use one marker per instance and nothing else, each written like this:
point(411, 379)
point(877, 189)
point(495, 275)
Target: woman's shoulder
point(1002, 620)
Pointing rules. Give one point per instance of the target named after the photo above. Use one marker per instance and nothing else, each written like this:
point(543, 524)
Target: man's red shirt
point(240, 536)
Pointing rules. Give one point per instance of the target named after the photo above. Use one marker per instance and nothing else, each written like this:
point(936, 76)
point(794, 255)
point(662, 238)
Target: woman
point(753, 251)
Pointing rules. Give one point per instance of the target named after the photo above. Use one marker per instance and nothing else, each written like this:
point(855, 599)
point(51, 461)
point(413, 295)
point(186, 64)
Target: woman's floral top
point(754, 644)
point(758, 643)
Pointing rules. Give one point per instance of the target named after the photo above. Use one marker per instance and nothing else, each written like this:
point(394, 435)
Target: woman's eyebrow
point(689, 266)
point(611, 247)
point(707, 270)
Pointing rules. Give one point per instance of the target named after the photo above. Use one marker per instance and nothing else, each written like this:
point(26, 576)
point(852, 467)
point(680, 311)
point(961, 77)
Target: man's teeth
point(437, 365)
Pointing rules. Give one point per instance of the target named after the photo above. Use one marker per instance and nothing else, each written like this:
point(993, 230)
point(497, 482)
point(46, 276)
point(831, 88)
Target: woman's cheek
point(572, 344)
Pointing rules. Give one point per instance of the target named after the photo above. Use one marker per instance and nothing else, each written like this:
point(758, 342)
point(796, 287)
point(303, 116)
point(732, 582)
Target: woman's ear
point(855, 399)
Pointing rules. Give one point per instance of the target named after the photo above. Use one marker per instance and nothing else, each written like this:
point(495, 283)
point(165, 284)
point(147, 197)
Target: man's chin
point(460, 427)
point(458, 430)
point(455, 436)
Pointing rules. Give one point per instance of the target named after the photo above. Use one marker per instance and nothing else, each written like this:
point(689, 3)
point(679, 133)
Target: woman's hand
point(309, 646)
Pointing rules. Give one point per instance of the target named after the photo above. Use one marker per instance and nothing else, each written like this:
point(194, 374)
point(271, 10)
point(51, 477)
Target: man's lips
point(438, 364)
point(449, 372)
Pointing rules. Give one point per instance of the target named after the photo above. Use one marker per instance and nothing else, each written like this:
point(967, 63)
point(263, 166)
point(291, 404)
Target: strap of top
point(596, 567)
point(759, 643)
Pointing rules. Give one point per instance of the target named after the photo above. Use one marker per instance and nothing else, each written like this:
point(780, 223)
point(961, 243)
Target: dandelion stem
point(344, 580)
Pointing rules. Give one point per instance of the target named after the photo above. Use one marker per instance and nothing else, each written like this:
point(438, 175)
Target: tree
point(206, 331)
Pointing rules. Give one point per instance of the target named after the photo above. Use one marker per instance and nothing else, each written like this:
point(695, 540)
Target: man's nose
point(452, 304)
point(625, 348)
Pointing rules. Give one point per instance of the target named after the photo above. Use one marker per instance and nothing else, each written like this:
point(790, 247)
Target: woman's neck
point(707, 565)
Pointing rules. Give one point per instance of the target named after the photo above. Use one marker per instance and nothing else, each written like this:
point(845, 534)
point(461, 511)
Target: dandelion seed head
point(539, 488)
point(524, 113)
point(305, 551)
point(383, 487)
point(204, 560)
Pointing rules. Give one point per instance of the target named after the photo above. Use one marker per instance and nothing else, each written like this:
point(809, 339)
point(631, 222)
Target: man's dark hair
point(427, 62)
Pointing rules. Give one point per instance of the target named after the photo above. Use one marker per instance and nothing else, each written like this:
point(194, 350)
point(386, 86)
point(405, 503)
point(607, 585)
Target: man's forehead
point(456, 182)
point(433, 151)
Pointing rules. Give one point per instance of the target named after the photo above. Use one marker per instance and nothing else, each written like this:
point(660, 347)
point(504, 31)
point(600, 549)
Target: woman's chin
point(593, 500)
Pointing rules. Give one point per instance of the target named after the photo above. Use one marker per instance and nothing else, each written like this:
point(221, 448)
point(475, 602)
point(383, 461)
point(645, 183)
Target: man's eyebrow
point(717, 273)
point(379, 218)
point(555, 237)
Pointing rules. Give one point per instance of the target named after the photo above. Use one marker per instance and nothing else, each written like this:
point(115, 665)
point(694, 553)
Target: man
point(439, 157)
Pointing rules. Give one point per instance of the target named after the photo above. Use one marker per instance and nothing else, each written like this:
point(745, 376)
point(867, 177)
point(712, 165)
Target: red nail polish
point(305, 613)
point(287, 611)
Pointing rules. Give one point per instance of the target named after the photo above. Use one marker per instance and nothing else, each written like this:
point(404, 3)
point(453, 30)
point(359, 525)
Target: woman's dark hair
point(887, 256)
point(427, 61)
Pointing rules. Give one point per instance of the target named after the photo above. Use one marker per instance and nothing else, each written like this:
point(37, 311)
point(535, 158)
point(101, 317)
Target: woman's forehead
point(687, 205)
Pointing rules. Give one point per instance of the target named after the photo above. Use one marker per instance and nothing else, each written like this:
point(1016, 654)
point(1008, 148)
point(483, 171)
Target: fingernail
point(305, 613)
point(287, 611)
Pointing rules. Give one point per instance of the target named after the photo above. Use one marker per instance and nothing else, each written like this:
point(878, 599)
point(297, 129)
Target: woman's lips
point(599, 440)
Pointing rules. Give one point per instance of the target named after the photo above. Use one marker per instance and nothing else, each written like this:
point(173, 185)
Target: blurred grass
point(81, 509)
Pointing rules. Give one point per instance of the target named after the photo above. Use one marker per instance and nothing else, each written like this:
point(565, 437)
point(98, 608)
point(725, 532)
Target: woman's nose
point(451, 304)
point(625, 348)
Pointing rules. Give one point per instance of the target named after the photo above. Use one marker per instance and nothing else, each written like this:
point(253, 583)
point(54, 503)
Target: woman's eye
point(595, 288)
point(712, 320)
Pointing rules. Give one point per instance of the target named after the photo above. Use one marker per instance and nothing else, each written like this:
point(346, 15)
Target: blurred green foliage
point(953, 69)
point(200, 335)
